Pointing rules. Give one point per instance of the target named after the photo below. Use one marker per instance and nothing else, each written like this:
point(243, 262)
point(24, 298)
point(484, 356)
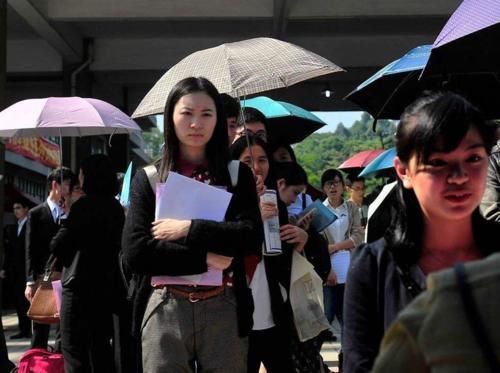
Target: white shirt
point(262, 314)
point(20, 225)
point(337, 232)
point(297, 207)
point(57, 212)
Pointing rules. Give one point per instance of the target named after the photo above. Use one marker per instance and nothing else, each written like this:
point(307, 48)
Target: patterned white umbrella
point(242, 68)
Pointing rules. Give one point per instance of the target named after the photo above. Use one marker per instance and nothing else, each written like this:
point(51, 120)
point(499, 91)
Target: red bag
point(39, 360)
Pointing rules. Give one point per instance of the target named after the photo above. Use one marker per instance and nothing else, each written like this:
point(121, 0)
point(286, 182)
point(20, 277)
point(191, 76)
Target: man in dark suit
point(14, 265)
point(43, 223)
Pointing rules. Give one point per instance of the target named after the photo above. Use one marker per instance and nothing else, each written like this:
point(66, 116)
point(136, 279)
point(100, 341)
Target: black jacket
point(239, 235)
point(40, 229)
point(15, 253)
point(89, 241)
point(378, 288)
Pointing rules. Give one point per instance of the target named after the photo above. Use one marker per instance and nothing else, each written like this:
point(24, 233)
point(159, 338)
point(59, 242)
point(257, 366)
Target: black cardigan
point(239, 235)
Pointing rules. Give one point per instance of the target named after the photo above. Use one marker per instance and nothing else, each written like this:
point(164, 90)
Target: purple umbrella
point(468, 42)
point(64, 116)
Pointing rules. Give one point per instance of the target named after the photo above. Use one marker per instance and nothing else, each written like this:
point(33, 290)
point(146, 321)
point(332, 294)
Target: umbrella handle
point(242, 117)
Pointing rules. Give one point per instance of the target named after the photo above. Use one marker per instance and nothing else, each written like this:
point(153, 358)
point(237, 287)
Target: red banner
point(37, 148)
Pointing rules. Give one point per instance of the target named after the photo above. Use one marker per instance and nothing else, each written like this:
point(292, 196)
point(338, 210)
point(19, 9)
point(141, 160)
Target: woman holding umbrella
point(442, 147)
point(182, 327)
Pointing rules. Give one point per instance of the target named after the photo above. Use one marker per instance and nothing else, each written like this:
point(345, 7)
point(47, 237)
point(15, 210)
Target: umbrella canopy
point(241, 68)
point(468, 43)
point(359, 160)
point(288, 123)
point(125, 192)
point(64, 116)
point(381, 165)
point(386, 93)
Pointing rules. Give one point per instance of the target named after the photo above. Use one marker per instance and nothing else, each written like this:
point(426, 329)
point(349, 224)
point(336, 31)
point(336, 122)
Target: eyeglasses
point(333, 183)
point(260, 134)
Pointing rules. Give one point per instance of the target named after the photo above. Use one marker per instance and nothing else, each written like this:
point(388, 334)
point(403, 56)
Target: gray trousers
point(183, 337)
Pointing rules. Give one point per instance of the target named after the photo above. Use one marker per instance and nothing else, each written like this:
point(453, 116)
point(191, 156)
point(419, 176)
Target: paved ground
point(18, 346)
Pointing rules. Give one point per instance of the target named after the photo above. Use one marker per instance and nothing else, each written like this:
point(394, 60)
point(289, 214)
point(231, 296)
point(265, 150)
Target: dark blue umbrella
point(288, 123)
point(382, 165)
point(391, 89)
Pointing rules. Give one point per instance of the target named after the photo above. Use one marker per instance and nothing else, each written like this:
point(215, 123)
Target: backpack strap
point(474, 318)
point(153, 176)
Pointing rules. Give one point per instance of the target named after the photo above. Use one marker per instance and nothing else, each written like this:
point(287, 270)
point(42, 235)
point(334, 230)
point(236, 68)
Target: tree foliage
point(321, 151)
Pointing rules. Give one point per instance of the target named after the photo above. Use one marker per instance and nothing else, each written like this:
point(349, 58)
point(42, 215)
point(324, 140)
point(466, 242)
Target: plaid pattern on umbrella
point(241, 68)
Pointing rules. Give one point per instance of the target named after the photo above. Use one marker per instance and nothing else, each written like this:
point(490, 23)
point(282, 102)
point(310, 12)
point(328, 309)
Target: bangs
point(438, 123)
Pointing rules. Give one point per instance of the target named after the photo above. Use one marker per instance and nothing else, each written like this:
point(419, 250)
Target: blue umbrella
point(288, 123)
point(125, 193)
point(391, 89)
point(380, 165)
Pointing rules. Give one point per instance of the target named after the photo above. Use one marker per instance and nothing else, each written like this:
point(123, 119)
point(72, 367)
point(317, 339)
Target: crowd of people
point(124, 310)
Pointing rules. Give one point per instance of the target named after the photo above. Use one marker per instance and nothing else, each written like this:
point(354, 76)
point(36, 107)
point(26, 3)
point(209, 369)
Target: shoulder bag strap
point(474, 318)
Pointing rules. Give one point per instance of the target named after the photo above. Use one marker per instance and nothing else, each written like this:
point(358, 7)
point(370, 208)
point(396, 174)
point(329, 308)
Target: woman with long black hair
point(442, 145)
point(184, 328)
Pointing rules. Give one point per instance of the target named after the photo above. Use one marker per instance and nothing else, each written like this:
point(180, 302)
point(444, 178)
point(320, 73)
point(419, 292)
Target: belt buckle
point(192, 299)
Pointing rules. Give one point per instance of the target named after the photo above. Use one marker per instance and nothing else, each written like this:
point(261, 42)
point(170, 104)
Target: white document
point(181, 197)
point(186, 198)
point(340, 264)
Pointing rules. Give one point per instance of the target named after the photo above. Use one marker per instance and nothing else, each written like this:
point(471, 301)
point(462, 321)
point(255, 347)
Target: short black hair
point(330, 174)
point(66, 173)
point(252, 115)
point(231, 106)
point(351, 179)
point(23, 201)
point(291, 172)
point(99, 176)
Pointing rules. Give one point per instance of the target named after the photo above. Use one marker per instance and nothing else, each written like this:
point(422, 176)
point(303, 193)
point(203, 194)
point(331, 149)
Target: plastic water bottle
point(272, 241)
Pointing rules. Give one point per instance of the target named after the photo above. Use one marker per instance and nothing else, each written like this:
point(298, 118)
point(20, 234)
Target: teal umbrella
point(125, 193)
point(382, 165)
point(288, 123)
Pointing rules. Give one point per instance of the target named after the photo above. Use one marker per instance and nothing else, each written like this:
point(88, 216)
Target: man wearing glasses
point(255, 123)
point(356, 188)
point(14, 266)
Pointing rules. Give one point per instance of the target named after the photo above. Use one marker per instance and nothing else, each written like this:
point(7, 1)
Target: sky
point(332, 118)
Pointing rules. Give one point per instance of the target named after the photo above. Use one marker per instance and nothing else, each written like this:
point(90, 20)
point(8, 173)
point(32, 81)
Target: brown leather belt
point(195, 296)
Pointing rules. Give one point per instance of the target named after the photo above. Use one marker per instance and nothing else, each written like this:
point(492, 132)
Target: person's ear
point(403, 172)
point(281, 183)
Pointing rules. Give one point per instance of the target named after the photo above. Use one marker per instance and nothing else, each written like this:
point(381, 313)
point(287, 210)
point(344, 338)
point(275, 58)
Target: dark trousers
point(21, 305)
point(40, 337)
point(270, 347)
point(334, 302)
point(86, 330)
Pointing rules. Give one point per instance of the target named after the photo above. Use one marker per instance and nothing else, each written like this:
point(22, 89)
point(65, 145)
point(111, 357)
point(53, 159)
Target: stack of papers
point(183, 198)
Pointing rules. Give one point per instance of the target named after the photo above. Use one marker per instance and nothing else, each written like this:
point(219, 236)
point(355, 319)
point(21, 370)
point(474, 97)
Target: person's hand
point(170, 229)
point(3, 274)
point(268, 210)
point(333, 248)
point(259, 183)
point(218, 261)
point(294, 235)
point(305, 221)
point(331, 279)
point(29, 292)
